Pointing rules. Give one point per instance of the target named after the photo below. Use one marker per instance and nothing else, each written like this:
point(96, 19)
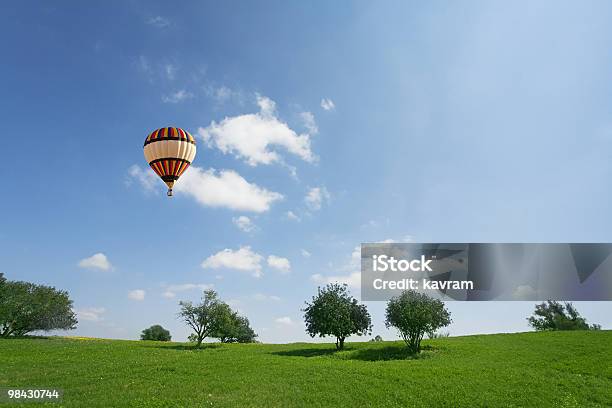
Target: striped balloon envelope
point(169, 151)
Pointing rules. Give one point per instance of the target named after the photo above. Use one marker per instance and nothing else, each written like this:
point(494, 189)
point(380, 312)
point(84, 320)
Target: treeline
point(27, 307)
point(334, 312)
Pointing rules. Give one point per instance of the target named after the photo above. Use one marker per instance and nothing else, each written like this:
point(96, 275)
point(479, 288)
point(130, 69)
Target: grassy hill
point(565, 369)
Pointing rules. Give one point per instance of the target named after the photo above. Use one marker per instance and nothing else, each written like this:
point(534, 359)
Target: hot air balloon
point(169, 151)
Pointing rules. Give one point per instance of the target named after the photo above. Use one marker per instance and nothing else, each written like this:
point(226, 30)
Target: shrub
point(553, 315)
point(438, 335)
point(156, 333)
point(335, 312)
point(414, 314)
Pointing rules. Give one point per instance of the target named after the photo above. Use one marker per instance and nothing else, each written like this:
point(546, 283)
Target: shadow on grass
point(189, 347)
point(29, 337)
point(389, 353)
point(396, 352)
point(309, 352)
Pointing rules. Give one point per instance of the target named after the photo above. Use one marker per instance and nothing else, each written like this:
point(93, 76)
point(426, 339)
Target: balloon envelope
point(169, 151)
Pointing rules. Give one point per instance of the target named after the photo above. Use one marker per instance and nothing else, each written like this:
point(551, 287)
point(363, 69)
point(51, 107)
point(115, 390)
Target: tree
point(414, 314)
point(552, 315)
point(377, 339)
point(156, 333)
point(244, 332)
point(205, 318)
point(335, 312)
point(236, 329)
point(26, 307)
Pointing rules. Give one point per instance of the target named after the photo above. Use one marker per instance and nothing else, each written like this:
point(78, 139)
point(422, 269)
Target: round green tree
point(235, 329)
point(414, 314)
point(334, 312)
point(156, 333)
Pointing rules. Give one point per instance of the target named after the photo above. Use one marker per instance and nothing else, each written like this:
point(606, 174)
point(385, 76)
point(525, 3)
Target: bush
point(438, 335)
point(553, 315)
point(156, 333)
point(415, 314)
point(26, 307)
point(335, 312)
point(377, 338)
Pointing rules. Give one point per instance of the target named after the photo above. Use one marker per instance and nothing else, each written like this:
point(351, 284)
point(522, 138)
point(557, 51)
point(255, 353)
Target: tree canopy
point(415, 314)
point(206, 317)
point(334, 312)
point(156, 333)
point(236, 329)
point(26, 307)
point(552, 315)
point(214, 318)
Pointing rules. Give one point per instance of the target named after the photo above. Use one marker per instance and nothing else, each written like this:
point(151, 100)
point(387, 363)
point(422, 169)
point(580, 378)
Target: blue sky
point(435, 122)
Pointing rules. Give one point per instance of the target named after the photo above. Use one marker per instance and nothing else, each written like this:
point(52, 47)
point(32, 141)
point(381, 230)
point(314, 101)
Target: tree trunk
point(339, 343)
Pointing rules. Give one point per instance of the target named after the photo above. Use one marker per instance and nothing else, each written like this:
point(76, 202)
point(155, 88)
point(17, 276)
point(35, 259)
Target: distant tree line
point(27, 307)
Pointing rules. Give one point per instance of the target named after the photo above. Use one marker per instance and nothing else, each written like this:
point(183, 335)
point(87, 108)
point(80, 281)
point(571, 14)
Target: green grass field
point(564, 369)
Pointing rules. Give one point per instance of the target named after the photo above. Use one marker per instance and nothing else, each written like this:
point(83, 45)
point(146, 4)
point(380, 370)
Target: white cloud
point(143, 65)
point(263, 298)
point(170, 71)
point(96, 261)
point(243, 259)
point(285, 320)
point(292, 216)
point(243, 223)
point(158, 21)
point(145, 177)
point(350, 273)
point(353, 279)
point(252, 136)
point(309, 122)
point(170, 290)
point(136, 294)
point(315, 197)
point(92, 314)
point(223, 94)
point(305, 253)
point(281, 264)
point(176, 97)
point(225, 188)
point(327, 104)
point(356, 257)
